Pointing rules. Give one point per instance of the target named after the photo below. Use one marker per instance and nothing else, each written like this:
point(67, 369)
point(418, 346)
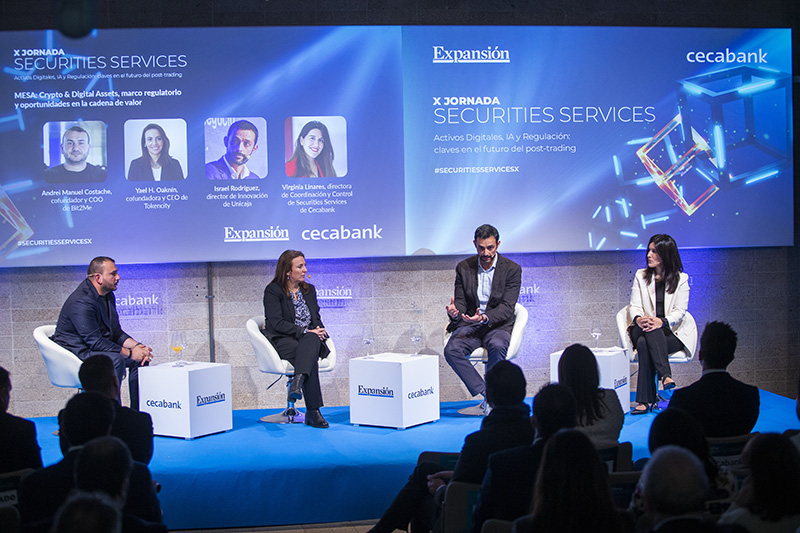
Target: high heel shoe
point(667, 385)
point(296, 388)
point(314, 419)
point(637, 411)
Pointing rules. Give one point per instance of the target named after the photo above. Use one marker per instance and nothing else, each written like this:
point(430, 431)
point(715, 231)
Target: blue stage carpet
point(268, 474)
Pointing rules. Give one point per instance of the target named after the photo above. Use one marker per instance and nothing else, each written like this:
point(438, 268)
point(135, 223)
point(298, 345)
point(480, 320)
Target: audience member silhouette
point(769, 501)
point(677, 427)
point(86, 416)
point(18, 446)
point(796, 437)
point(135, 428)
point(506, 426)
point(105, 465)
point(724, 406)
point(507, 488)
point(571, 491)
point(599, 412)
point(675, 488)
point(86, 512)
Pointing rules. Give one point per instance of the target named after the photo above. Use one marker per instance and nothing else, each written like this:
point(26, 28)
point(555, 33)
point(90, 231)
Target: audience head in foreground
point(717, 345)
point(105, 465)
point(505, 384)
point(19, 448)
point(675, 484)
point(5, 389)
point(86, 417)
point(553, 409)
point(88, 512)
point(679, 428)
point(571, 491)
point(723, 405)
point(599, 413)
point(770, 495)
point(577, 370)
point(97, 374)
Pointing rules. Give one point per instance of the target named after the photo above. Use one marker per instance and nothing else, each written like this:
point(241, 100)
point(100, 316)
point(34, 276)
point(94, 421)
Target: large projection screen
point(390, 141)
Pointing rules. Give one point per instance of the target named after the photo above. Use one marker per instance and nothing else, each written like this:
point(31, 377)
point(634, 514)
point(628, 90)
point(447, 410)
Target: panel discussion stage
point(262, 474)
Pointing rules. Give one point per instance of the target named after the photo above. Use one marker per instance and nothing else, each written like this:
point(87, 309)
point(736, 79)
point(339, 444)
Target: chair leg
point(290, 415)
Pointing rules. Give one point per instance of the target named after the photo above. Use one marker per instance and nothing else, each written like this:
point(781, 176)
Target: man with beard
point(89, 325)
point(75, 147)
point(240, 144)
point(481, 312)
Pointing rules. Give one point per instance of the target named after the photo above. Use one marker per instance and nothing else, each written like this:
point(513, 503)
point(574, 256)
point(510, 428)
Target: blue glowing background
point(419, 178)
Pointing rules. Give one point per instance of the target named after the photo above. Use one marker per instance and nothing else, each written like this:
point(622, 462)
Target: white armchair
point(62, 365)
point(480, 355)
point(270, 362)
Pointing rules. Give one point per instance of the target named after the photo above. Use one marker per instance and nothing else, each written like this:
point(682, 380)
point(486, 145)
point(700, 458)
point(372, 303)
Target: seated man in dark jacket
point(507, 488)
point(508, 425)
point(724, 406)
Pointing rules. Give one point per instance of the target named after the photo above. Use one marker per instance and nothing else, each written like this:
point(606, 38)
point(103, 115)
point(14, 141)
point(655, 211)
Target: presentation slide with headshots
point(159, 145)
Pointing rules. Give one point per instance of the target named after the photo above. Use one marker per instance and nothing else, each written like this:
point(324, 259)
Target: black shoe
point(296, 388)
point(638, 411)
point(314, 419)
point(667, 386)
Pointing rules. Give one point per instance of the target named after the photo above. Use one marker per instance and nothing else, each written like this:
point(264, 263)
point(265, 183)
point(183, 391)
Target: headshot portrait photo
point(236, 148)
point(315, 147)
point(155, 149)
point(75, 151)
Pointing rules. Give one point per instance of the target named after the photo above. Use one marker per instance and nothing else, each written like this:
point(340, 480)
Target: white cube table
point(615, 372)
point(394, 390)
point(187, 399)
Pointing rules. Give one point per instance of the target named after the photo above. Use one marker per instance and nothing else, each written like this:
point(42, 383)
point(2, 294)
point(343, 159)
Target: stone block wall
point(755, 290)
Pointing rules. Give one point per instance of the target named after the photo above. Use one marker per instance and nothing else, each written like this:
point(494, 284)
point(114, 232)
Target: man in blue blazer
point(481, 311)
point(88, 325)
point(724, 406)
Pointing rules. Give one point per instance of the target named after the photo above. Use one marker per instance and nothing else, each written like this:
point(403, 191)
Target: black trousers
point(413, 505)
point(653, 348)
point(304, 356)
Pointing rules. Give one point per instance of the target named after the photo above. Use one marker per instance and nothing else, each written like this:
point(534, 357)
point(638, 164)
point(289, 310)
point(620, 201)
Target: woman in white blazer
point(659, 298)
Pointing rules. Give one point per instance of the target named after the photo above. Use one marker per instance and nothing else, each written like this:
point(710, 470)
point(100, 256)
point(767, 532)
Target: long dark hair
point(324, 159)
point(774, 465)
point(677, 427)
point(285, 265)
point(667, 250)
point(164, 151)
point(571, 491)
point(577, 370)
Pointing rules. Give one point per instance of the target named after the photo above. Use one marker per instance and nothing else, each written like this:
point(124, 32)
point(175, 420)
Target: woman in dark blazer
point(293, 326)
point(155, 164)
